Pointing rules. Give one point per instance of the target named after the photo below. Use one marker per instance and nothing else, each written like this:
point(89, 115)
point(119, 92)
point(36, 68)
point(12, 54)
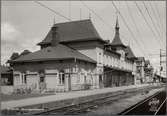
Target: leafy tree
point(14, 56)
point(25, 52)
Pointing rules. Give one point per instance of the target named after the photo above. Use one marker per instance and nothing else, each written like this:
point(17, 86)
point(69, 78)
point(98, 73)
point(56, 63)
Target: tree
point(14, 56)
point(25, 52)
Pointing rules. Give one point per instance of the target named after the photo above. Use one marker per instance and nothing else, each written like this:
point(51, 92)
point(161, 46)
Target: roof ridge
point(72, 21)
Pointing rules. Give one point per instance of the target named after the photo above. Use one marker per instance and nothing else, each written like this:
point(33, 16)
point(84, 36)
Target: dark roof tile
point(129, 52)
point(73, 31)
point(54, 53)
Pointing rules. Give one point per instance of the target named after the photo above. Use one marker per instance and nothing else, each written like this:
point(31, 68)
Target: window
point(42, 76)
point(61, 78)
point(42, 79)
point(24, 80)
point(22, 76)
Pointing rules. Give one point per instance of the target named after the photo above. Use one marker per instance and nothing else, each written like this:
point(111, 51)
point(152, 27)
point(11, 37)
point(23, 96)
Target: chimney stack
point(55, 36)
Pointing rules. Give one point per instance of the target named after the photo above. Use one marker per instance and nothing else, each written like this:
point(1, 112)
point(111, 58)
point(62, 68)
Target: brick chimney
point(55, 36)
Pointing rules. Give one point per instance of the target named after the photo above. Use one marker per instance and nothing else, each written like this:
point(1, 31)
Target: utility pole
point(160, 63)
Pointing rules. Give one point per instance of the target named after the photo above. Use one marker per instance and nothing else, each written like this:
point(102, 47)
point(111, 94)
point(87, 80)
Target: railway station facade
point(73, 56)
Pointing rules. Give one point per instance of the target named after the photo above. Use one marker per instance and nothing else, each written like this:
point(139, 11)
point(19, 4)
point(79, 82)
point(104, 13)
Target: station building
point(73, 56)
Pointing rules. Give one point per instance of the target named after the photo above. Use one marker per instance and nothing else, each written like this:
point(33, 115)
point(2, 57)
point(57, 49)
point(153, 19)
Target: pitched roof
point(117, 41)
point(53, 53)
point(129, 52)
point(74, 31)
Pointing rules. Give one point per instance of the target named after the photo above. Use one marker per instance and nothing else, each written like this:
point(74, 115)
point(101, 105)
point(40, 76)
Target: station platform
point(65, 96)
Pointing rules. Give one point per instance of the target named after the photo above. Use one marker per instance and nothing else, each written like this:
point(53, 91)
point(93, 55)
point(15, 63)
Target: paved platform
point(64, 96)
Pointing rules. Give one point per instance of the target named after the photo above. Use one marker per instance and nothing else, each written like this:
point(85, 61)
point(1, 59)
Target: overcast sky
point(24, 24)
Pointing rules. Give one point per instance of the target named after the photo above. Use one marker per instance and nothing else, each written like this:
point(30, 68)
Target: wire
point(57, 13)
point(155, 15)
point(130, 13)
point(146, 22)
point(96, 14)
point(127, 26)
point(159, 15)
point(151, 18)
point(85, 27)
point(161, 22)
point(104, 22)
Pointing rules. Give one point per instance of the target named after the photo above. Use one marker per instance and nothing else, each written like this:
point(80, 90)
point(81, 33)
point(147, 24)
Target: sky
point(25, 23)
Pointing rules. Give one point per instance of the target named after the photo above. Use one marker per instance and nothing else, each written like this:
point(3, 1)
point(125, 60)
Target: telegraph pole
point(160, 63)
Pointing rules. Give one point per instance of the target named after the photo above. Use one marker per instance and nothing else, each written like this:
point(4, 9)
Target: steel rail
point(109, 95)
point(82, 103)
point(71, 110)
point(160, 107)
point(138, 104)
point(96, 104)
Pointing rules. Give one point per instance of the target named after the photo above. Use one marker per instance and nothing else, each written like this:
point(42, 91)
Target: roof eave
point(84, 39)
point(51, 59)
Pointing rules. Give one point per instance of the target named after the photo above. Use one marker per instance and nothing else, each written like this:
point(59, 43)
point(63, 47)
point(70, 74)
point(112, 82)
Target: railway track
point(153, 105)
point(86, 105)
point(89, 105)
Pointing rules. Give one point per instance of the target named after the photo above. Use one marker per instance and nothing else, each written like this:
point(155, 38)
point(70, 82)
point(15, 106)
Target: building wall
point(113, 60)
point(140, 71)
point(75, 75)
point(96, 51)
point(89, 48)
point(7, 89)
point(91, 52)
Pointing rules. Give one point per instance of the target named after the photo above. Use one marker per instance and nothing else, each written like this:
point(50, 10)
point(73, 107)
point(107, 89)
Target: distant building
point(148, 69)
point(73, 57)
point(140, 63)
point(144, 70)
